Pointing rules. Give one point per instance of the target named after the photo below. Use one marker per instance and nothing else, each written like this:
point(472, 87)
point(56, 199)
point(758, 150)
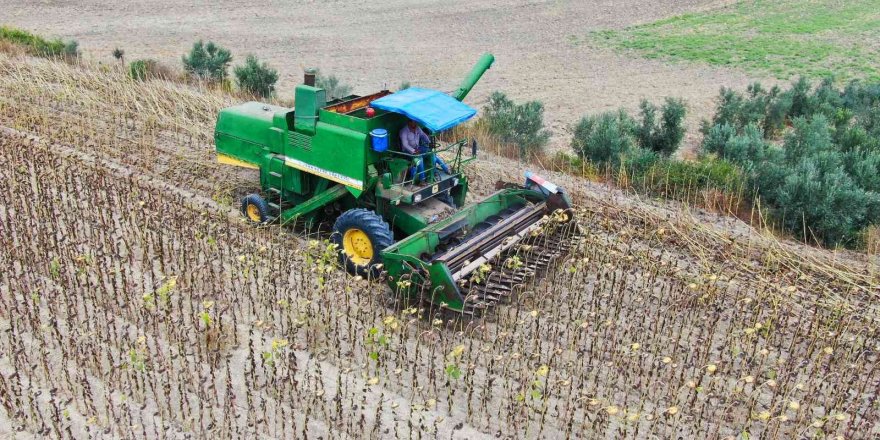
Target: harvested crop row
point(572, 353)
point(158, 128)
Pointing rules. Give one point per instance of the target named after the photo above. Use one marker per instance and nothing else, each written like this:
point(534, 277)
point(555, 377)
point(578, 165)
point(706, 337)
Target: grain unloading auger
point(342, 161)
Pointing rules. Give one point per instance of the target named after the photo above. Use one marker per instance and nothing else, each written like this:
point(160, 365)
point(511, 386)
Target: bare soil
point(541, 46)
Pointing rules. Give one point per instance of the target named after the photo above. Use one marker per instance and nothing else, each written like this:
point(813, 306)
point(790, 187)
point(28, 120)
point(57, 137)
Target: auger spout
point(483, 64)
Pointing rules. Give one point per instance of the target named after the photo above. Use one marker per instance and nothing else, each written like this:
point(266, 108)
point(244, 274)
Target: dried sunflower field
point(134, 303)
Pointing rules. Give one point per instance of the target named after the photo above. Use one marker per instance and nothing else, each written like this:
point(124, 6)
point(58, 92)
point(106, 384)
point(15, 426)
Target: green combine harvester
point(341, 161)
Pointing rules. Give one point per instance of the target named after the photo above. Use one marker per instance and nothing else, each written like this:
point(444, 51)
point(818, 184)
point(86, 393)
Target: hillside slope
point(663, 322)
point(542, 46)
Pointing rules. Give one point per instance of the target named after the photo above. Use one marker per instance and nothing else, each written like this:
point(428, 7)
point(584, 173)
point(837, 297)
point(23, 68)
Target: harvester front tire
point(359, 235)
point(255, 209)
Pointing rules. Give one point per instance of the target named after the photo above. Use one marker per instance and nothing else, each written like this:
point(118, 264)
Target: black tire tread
point(260, 202)
point(373, 225)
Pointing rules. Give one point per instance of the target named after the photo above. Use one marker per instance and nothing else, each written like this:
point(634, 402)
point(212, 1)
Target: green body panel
point(308, 101)
point(404, 219)
point(245, 131)
point(335, 153)
point(397, 168)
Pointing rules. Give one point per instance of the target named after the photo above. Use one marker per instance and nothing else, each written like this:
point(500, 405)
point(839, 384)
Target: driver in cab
point(414, 141)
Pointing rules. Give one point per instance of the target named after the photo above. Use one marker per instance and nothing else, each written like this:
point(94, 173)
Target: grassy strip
point(37, 45)
point(815, 38)
point(709, 183)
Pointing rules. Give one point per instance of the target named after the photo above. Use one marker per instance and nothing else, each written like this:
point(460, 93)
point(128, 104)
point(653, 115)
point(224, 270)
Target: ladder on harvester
point(277, 170)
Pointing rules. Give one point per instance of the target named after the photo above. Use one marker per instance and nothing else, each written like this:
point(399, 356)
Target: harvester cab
point(397, 215)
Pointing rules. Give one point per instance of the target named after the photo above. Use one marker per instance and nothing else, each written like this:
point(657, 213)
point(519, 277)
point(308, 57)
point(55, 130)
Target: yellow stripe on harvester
point(226, 159)
point(329, 175)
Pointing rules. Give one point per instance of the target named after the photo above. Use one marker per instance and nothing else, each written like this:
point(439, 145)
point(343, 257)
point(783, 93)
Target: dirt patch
point(540, 46)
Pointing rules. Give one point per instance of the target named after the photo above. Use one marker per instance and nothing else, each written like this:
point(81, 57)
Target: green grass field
point(785, 39)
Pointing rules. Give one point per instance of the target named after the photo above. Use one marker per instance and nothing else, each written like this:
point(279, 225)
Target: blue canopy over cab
point(433, 110)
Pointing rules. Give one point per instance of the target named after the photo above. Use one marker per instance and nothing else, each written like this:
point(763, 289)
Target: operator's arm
point(407, 143)
point(423, 138)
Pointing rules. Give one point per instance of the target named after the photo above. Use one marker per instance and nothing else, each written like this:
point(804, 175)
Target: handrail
point(448, 147)
point(454, 165)
point(401, 153)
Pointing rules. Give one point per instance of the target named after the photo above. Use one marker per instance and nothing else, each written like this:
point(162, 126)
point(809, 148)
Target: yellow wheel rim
point(253, 213)
point(357, 246)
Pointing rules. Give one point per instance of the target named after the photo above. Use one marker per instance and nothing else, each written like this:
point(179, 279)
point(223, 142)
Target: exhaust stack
point(309, 77)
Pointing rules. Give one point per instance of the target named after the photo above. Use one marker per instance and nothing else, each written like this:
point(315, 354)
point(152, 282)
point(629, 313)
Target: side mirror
point(474, 148)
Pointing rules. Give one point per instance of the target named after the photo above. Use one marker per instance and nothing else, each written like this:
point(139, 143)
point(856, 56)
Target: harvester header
point(395, 193)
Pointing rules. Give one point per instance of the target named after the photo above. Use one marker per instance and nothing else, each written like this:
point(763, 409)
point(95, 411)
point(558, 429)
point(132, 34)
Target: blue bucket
point(380, 139)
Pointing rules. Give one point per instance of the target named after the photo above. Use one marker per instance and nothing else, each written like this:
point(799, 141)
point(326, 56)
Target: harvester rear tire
point(255, 209)
point(349, 232)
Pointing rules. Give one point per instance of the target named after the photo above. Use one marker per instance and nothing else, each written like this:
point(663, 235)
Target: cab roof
point(432, 109)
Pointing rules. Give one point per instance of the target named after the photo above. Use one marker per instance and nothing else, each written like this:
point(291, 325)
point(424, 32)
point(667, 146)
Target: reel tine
point(520, 265)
